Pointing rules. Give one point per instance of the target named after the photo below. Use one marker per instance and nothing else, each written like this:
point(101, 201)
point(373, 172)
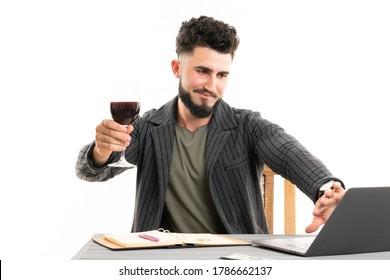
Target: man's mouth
point(205, 93)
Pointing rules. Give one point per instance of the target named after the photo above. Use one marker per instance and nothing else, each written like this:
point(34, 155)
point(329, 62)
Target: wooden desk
point(94, 251)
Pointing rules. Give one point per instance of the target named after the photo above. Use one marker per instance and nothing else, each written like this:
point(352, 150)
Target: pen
point(148, 237)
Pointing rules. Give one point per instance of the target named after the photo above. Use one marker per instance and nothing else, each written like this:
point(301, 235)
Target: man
point(199, 161)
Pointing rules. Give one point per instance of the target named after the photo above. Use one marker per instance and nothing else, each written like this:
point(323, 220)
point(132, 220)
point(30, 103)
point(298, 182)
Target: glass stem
point(123, 155)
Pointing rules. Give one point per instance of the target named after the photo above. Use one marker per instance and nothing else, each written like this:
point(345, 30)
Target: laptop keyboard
point(300, 243)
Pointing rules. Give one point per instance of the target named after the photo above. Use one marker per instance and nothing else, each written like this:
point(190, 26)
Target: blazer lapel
point(219, 131)
point(163, 135)
point(163, 141)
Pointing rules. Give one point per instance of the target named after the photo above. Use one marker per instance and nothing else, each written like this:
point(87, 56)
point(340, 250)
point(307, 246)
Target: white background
point(320, 69)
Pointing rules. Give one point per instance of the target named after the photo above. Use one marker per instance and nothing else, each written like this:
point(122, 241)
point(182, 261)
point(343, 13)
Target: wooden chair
point(268, 199)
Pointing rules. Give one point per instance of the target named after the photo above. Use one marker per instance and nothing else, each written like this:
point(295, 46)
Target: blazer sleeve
point(287, 157)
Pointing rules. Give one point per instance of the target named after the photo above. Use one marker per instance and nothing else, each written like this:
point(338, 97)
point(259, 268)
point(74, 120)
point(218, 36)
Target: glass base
point(122, 164)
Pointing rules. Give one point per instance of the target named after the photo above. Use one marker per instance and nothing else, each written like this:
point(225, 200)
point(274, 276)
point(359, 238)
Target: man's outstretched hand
point(325, 205)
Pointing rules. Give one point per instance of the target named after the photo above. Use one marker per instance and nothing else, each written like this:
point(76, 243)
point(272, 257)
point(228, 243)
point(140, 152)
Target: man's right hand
point(110, 136)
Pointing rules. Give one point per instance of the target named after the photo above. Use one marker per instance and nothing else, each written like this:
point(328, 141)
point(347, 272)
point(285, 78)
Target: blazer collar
point(165, 114)
point(223, 116)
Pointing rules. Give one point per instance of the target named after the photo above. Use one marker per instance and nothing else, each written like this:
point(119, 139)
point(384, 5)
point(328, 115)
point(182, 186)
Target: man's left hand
point(325, 205)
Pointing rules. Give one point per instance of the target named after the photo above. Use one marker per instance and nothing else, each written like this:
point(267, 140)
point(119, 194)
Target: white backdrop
point(320, 69)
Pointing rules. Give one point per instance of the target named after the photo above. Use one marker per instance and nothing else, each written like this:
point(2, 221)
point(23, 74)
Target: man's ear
point(175, 64)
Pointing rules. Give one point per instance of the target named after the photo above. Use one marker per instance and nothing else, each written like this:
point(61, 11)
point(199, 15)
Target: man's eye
point(201, 71)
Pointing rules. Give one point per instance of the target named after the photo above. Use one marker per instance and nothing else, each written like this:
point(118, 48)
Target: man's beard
point(198, 111)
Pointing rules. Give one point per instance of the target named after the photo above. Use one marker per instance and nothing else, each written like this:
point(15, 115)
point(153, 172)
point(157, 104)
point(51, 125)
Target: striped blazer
point(239, 143)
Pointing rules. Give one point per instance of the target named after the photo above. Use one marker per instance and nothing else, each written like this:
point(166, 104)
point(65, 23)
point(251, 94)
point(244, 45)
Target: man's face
point(203, 79)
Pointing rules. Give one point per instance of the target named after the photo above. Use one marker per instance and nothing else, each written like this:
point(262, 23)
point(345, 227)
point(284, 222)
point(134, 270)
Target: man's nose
point(211, 83)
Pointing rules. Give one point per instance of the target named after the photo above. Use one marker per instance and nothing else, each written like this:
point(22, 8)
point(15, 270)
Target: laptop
point(359, 224)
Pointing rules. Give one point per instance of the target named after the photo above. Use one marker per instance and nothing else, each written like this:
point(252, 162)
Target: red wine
point(124, 112)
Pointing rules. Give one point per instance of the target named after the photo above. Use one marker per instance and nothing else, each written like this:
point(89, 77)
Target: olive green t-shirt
point(188, 203)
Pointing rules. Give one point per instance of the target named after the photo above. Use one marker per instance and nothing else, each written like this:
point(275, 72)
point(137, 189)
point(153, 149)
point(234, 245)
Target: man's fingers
point(315, 225)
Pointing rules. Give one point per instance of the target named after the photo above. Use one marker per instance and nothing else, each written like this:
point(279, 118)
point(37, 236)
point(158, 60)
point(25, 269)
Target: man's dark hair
point(206, 32)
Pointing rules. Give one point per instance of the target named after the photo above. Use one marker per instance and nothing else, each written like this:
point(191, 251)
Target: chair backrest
point(267, 189)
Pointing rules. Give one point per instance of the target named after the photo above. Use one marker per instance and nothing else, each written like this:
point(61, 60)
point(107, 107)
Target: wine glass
point(124, 110)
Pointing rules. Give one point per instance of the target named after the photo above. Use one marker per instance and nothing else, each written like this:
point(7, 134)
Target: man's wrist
point(324, 187)
point(97, 159)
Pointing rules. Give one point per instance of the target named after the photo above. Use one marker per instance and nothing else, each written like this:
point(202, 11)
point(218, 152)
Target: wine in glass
point(124, 112)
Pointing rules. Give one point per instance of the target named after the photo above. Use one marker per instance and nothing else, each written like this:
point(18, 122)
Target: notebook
point(359, 224)
point(162, 238)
